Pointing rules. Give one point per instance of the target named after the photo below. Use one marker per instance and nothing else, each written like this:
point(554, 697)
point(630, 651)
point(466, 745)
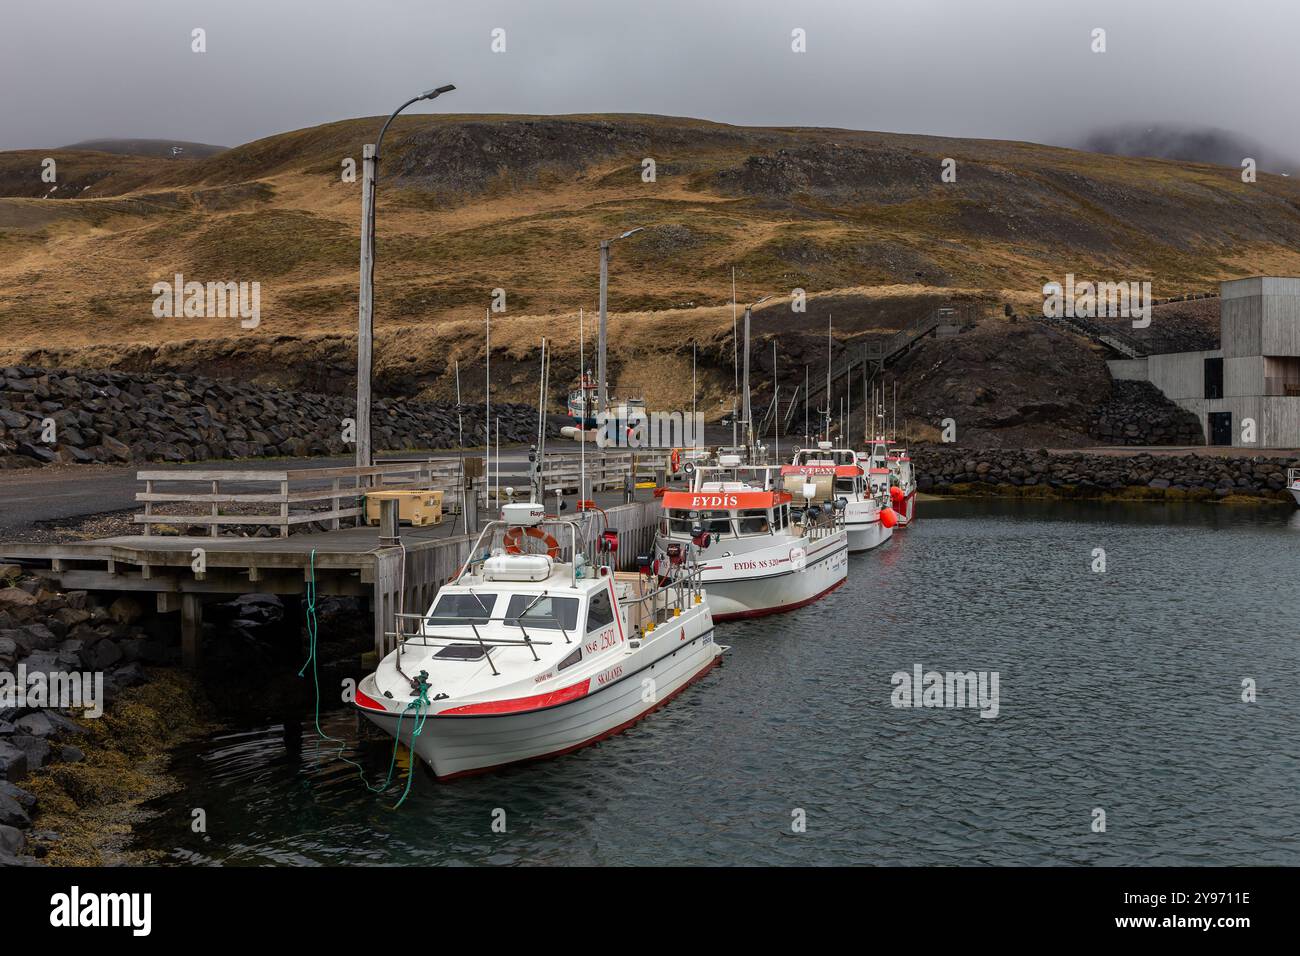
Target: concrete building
point(1252, 377)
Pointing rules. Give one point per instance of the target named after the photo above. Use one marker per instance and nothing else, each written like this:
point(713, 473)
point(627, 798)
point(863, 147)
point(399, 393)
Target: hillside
point(166, 148)
point(469, 204)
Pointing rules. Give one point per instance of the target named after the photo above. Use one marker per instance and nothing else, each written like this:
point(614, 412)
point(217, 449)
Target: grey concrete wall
point(1128, 370)
point(1180, 374)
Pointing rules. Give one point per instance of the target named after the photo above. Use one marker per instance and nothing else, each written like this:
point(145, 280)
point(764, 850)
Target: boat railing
point(422, 638)
point(663, 602)
point(1292, 476)
point(479, 553)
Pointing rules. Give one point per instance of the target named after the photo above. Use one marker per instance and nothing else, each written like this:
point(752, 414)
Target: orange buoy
point(888, 518)
point(896, 493)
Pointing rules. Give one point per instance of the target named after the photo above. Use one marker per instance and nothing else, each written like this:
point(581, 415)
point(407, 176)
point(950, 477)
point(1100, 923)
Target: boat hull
point(907, 510)
point(1295, 493)
point(734, 596)
point(864, 536)
point(461, 744)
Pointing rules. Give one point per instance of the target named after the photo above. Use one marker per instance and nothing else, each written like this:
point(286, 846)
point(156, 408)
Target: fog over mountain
point(1199, 145)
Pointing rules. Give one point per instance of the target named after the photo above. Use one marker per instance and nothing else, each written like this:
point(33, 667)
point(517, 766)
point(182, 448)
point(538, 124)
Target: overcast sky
point(1006, 69)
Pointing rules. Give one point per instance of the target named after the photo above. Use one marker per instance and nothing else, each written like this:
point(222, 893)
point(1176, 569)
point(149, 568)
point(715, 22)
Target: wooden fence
point(282, 499)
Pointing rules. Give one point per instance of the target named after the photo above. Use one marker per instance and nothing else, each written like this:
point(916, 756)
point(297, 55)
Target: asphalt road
point(32, 495)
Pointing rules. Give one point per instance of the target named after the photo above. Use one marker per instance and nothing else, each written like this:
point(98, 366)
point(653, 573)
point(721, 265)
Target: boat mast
point(749, 423)
point(582, 423)
point(828, 376)
point(776, 407)
point(735, 359)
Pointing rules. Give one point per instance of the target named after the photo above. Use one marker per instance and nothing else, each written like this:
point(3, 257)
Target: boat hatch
point(461, 652)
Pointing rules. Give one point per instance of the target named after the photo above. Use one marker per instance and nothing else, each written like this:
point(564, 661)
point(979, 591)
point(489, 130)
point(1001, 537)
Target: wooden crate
point(417, 507)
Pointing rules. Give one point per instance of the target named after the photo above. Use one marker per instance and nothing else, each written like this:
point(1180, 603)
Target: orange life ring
point(514, 537)
point(677, 460)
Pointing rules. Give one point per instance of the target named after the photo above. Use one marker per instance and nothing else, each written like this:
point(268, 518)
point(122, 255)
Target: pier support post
point(191, 630)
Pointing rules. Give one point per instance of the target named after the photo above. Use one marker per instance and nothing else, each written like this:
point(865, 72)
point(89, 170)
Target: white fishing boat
point(1293, 483)
point(837, 475)
point(525, 655)
point(757, 553)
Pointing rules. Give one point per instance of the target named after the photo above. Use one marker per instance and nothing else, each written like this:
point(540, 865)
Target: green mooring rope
point(420, 704)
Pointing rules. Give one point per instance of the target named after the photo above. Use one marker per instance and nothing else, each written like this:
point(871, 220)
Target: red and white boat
point(836, 474)
point(899, 477)
point(1293, 483)
point(757, 554)
point(524, 655)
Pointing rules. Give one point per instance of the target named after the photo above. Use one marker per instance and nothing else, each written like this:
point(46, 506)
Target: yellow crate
point(417, 507)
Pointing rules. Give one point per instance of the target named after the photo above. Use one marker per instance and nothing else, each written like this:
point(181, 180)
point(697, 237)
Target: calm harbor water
point(1118, 690)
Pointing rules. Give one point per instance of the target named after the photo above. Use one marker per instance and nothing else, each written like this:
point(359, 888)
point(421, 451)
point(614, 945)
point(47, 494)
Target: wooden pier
point(402, 573)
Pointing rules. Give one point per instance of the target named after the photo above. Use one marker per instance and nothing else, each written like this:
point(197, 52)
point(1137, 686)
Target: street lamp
point(366, 309)
point(602, 398)
point(749, 418)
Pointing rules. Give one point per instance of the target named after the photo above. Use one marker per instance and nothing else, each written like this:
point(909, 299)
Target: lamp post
point(366, 309)
point(749, 417)
point(602, 397)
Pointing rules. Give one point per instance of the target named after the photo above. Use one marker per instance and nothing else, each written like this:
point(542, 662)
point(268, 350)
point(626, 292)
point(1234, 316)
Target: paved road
point(28, 496)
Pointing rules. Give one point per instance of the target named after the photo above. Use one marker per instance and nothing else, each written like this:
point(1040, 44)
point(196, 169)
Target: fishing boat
point(525, 655)
point(902, 484)
point(837, 474)
point(581, 405)
point(1293, 483)
point(758, 553)
point(890, 467)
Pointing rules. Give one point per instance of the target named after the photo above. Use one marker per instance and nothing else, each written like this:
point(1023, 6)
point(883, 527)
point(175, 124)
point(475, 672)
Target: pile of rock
point(106, 416)
point(952, 470)
point(57, 636)
point(1138, 413)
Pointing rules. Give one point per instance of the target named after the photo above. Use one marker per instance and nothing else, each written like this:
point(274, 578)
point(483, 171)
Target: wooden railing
point(274, 500)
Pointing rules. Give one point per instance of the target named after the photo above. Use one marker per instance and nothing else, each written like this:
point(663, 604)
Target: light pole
point(749, 417)
point(366, 309)
point(602, 397)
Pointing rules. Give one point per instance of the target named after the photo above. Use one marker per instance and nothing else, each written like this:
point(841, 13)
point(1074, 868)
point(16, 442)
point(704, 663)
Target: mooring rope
point(421, 704)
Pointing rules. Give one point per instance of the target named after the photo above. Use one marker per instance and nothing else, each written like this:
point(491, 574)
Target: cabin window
point(465, 608)
point(754, 521)
point(570, 660)
point(846, 486)
point(601, 612)
point(680, 521)
point(717, 523)
point(550, 613)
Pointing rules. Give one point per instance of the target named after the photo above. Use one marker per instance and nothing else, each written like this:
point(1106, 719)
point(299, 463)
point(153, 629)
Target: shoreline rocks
point(117, 417)
point(50, 637)
point(953, 470)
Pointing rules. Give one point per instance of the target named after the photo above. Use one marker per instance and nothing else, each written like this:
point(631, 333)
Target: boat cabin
point(830, 480)
point(726, 513)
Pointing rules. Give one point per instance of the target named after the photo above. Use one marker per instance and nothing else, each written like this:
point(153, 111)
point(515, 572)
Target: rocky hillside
point(468, 205)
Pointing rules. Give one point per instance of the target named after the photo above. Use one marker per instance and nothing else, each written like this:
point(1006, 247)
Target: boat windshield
point(462, 608)
point(545, 613)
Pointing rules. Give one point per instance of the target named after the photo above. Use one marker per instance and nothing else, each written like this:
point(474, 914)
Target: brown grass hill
point(469, 204)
